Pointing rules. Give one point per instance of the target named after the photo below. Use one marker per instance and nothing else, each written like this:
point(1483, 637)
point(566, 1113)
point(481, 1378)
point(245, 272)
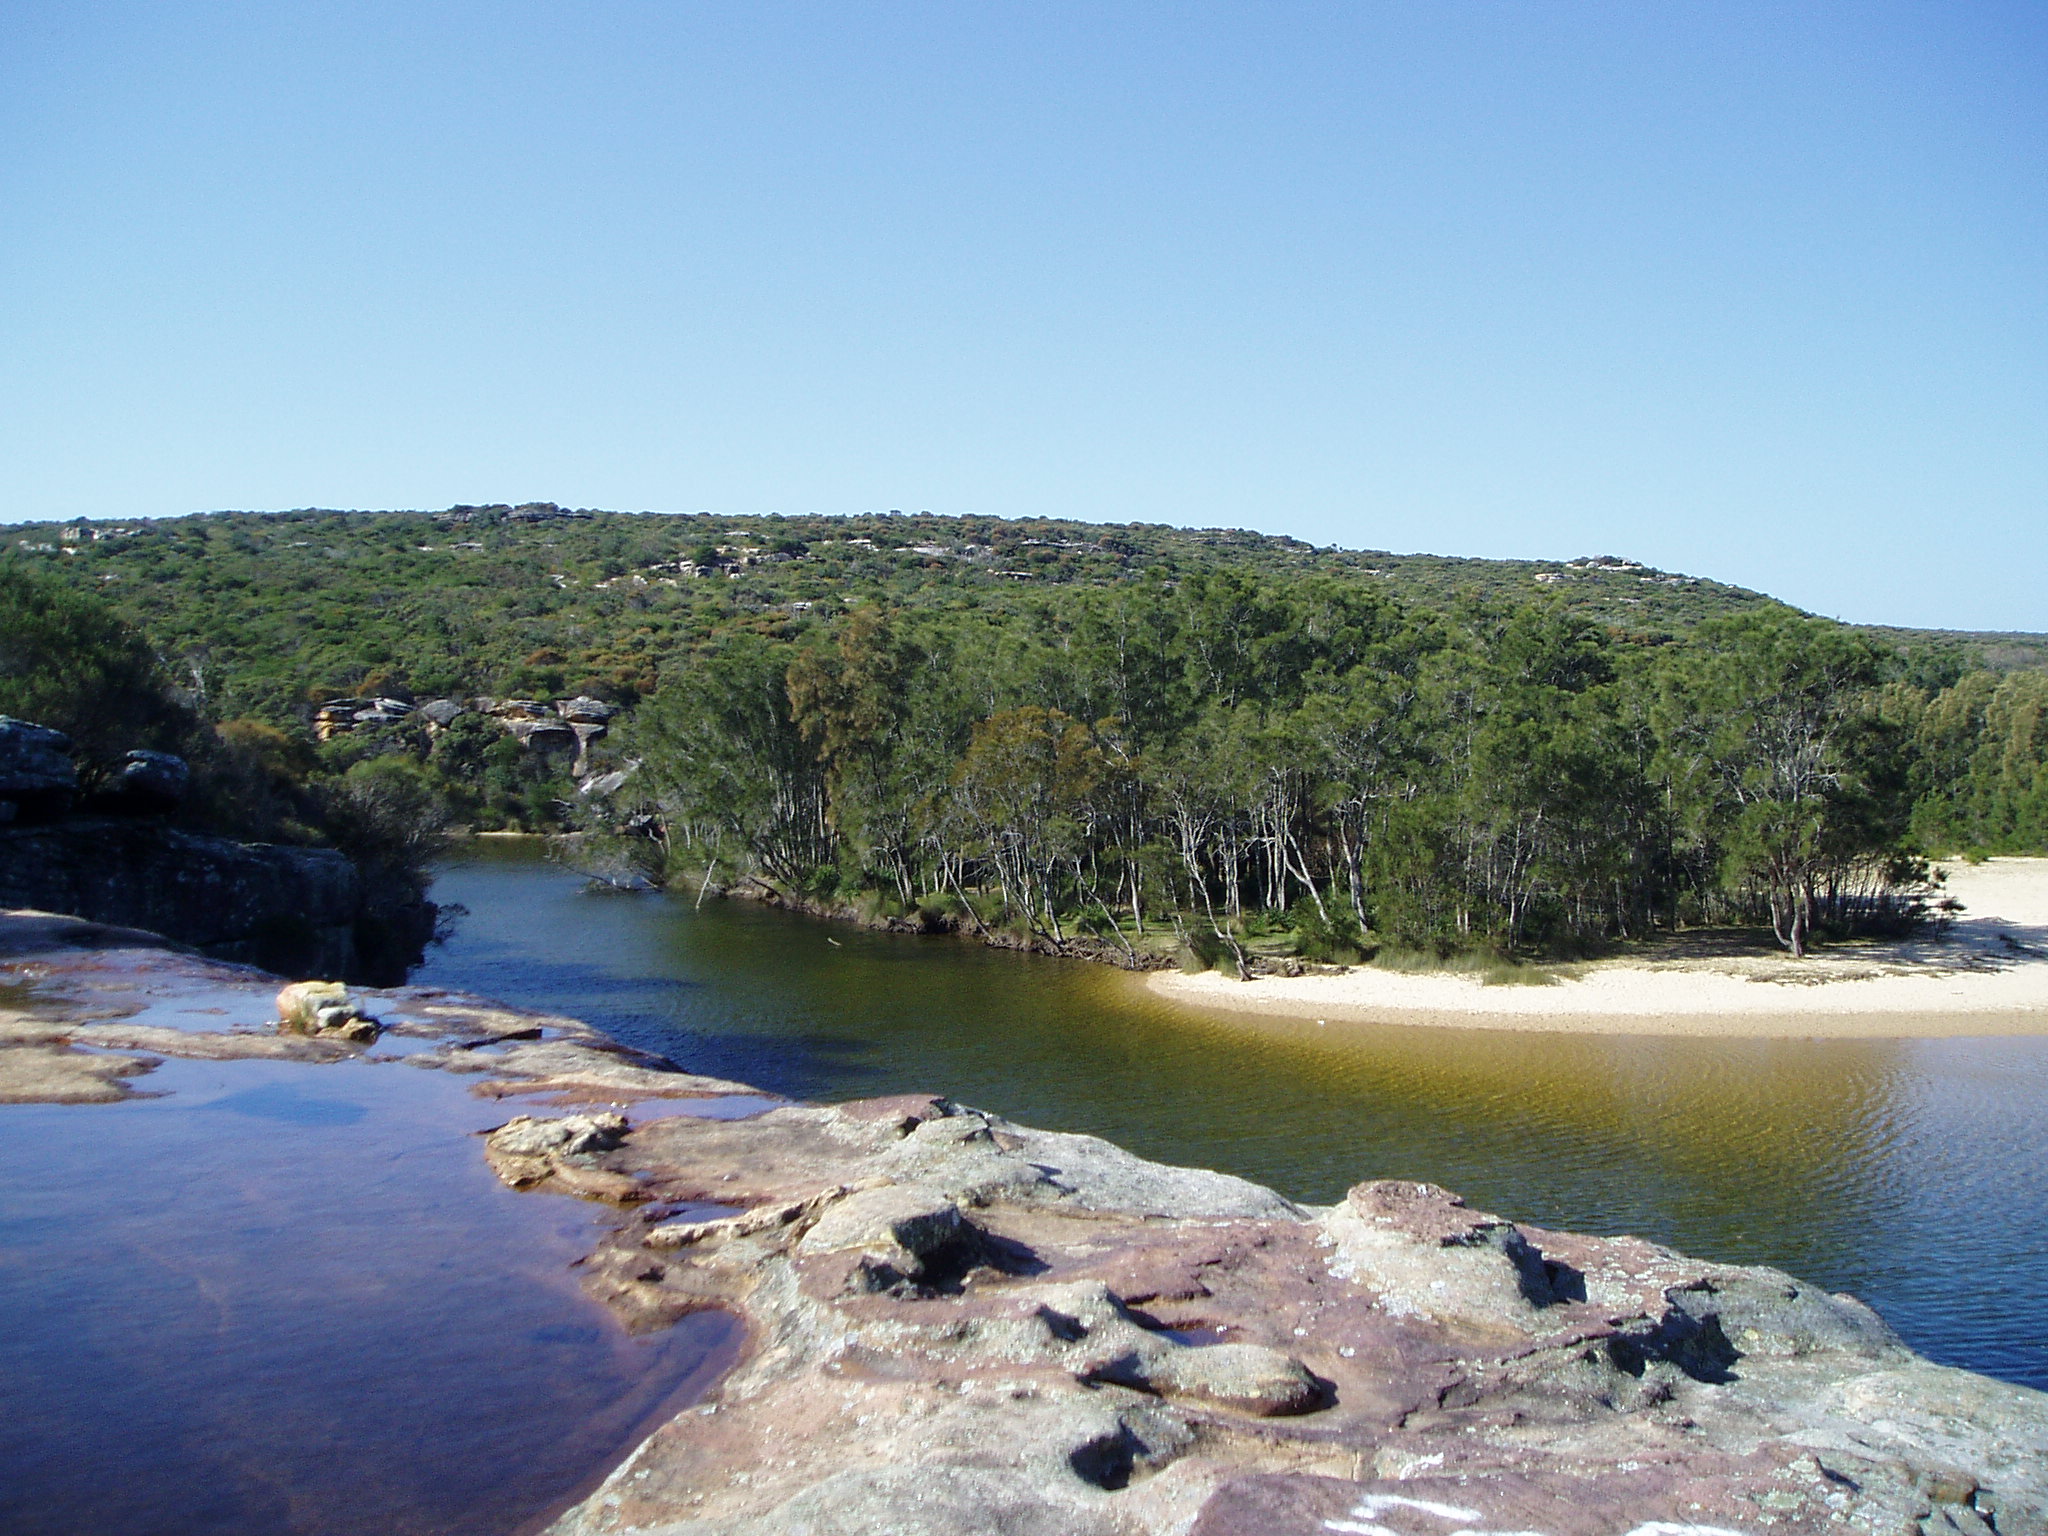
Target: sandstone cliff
point(301, 911)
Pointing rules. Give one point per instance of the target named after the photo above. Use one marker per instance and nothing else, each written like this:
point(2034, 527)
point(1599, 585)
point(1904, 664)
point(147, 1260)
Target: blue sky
point(1753, 291)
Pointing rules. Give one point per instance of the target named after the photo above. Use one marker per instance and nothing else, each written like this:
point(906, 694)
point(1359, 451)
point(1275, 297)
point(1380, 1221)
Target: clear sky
point(1755, 291)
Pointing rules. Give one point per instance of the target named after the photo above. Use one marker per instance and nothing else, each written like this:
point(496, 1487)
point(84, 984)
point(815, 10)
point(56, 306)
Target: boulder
point(442, 713)
point(545, 736)
point(564, 1151)
point(901, 1232)
point(153, 781)
point(325, 1008)
point(586, 733)
point(1248, 1377)
point(334, 718)
point(36, 771)
point(1428, 1254)
point(584, 710)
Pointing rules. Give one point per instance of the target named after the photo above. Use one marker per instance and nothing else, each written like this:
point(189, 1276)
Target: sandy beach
point(1987, 974)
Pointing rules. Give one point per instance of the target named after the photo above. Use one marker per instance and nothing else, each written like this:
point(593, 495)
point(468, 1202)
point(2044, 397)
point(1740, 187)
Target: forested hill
point(1045, 727)
point(269, 610)
point(272, 609)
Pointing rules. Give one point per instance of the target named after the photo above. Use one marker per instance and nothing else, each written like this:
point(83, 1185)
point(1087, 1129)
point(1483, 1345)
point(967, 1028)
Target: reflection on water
point(291, 1298)
point(1912, 1173)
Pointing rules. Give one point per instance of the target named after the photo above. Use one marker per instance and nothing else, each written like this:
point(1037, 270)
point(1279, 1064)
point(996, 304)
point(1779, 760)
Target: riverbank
point(1985, 973)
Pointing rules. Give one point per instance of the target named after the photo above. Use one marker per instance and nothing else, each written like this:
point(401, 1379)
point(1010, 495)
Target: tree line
point(1225, 757)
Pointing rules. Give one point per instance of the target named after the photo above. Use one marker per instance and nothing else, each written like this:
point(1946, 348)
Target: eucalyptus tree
point(1763, 718)
point(1021, 794)
point(729, 764)
point(850, 696)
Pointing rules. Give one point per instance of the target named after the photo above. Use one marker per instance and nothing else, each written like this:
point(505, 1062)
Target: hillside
point(272, 610)
point(1074, 723)
point(275, 609)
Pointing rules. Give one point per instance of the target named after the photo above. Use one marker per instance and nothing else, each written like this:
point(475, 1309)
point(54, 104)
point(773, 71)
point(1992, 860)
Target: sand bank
point(1987, 974)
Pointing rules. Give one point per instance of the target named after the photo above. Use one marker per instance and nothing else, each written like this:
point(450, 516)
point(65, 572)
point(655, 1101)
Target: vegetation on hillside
point(261, 614)
point(69, 662)
point(1221, 758)
point(1126, 736)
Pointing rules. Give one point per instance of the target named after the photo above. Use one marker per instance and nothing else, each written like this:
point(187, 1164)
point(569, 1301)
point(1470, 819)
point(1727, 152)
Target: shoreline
point(945, 1313)
point(1987, 975)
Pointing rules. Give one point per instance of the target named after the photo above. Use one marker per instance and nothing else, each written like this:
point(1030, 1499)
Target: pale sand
point(1987, 975)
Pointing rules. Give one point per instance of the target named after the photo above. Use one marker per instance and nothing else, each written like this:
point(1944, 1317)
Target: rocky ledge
point(959, 1325)
point(308, 911)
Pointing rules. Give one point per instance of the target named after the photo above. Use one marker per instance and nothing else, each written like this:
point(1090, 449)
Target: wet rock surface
point(962, 1325)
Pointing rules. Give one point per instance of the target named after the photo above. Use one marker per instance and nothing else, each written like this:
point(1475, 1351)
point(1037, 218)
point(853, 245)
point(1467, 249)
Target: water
point(290, 1298)
point(1911, 1173)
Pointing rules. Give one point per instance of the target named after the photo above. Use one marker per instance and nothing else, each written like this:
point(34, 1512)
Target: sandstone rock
point(1248, 1377)
point(565, 1136)
point(36, 771)
point(153, 781)
point(902, 1232)
point(1292, 1372)
point(442, 713)
point(977, 1162)
point(544, 736)
point(325, 1008)
point(301, 911)
point(1427, 1254)
point(56, 1074)
point(564, 1150)
point(1106, 1343)
point(584, 710)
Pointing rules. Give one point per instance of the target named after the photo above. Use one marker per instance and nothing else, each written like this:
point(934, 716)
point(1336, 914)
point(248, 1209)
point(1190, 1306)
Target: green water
point(1909, 1172)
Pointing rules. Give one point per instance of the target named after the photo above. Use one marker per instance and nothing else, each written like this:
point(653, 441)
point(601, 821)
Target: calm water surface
point(1913, 1173)
point(285, 1298)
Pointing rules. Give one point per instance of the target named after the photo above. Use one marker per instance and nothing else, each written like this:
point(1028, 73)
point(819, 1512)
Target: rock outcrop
point(960, 1326)
point(566, 729)
point(300, 911)
point(294, 908)
point(36, 771)
point(967, 1326)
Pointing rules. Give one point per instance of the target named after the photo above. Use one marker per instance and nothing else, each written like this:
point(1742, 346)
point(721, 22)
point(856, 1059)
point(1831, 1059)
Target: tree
point(67, 662)
point(1022, 792)
point(1763, 720)
point(731, 766)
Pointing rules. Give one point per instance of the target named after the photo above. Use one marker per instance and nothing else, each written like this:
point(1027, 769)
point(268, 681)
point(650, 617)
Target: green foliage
point(1979, 762)
point(1326, 931)
point(731, 767)
point(1281, 760)
point(1139, 734)
point(67, 661)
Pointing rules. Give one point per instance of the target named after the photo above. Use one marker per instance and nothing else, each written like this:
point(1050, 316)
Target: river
point(1911, 1173)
